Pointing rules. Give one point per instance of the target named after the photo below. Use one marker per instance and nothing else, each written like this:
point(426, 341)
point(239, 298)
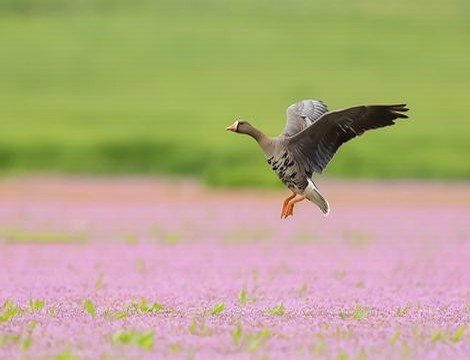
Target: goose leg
point(290, 205)
point(286, 201)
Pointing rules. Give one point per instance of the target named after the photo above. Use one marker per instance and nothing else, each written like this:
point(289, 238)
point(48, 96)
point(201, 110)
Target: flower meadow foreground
point(139, 269)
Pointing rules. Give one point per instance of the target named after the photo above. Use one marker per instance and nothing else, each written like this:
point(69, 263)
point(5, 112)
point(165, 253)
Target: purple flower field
point(145, 269)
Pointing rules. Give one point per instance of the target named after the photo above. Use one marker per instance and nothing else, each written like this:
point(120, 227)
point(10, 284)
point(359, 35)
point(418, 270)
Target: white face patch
point(236, 125)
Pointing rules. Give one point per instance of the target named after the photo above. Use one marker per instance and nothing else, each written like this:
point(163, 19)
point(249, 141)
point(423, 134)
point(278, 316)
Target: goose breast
point(289, 171)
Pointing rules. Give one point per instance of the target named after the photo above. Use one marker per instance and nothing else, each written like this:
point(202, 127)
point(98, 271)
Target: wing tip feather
point(398, 110)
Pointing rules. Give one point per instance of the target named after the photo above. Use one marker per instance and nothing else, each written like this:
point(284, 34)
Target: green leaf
point(170, 238)
point(264, 333)
point(255, 340)
point(65, 355)
point(277, 310)
point(458, 334)
point(36, 305)
point(236, 334)
point(122, 337)
point(120, 315)
point(10, 310)
point(193, 327)
point(362, 355)
point(26, 343)
point(242, 295)
point(135, 306)
point(405, 350)
point(215, 309)
point(360, 312)
point(174, 348)
point(319, 347)
point(51, 312)
point(343, 315)
point(143, 305)
point(436, 336)
point(147, 308)
point(32, 324)
point(7, 304)
point(157, 307)
point(394, 337)
point(303, 289)
point(145, 340)
point(89, 307)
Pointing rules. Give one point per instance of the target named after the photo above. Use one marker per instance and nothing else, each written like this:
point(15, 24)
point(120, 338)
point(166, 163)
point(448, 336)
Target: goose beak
point(232, 127)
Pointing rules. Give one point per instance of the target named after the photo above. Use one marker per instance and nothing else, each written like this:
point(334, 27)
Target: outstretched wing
point(301, 115)
point(315, 146)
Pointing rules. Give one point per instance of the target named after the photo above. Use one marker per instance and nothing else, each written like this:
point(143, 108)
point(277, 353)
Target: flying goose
point(311, 137)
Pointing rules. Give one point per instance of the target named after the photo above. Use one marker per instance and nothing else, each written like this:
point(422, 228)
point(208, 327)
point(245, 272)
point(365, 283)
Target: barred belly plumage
point(287, 171)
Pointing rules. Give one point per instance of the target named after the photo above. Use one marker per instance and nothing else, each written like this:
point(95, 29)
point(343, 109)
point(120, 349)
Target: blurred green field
point(149, 87)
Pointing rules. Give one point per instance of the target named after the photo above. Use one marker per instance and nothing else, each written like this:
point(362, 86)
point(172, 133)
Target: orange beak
point(232, 127)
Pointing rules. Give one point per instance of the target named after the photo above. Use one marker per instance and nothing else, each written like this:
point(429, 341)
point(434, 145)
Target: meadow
point(148, 87)
point(178, 271)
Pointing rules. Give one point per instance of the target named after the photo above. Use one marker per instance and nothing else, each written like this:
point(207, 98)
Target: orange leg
point(290, 205)
point(286, 201)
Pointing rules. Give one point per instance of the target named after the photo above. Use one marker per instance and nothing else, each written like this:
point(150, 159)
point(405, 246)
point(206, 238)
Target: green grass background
point(114, 86)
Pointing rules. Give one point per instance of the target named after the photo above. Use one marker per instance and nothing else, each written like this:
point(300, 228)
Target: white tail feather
point(312, 194)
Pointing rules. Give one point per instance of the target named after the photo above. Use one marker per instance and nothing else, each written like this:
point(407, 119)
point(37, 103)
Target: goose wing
point(316, 145)
point(301, 115)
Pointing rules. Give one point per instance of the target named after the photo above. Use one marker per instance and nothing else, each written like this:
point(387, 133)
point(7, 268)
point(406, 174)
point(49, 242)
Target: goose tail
point(313, 195)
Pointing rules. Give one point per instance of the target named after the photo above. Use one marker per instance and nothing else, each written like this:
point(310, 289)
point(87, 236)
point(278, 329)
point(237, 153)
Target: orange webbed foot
point(284, 206)
point(289, 210)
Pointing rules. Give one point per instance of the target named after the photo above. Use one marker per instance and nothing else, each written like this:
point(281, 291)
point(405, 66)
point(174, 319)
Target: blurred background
point(120, 222)
point(148, 87)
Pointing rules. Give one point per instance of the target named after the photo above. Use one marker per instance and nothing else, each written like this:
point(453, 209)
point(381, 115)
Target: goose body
point(310, 139)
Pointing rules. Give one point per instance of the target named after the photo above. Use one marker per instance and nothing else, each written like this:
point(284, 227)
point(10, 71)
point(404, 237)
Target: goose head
point(242, 127)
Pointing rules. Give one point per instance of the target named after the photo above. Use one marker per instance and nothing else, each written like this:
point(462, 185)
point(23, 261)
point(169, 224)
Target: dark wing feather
point(315, 146)
point(301, 115)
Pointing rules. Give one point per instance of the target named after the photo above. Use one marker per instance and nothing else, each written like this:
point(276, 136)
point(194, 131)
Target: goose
point(311, 137)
